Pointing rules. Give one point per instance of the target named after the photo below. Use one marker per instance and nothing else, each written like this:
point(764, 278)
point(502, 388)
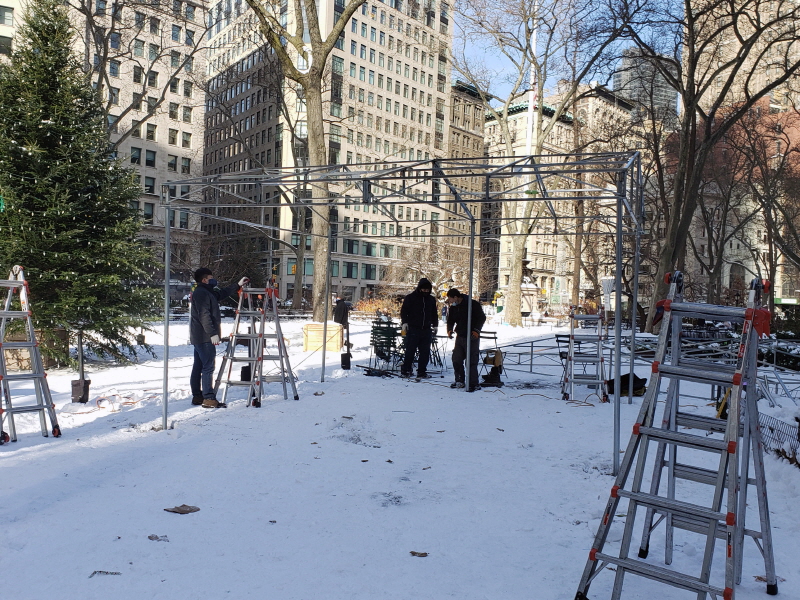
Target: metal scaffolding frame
point(613, 181)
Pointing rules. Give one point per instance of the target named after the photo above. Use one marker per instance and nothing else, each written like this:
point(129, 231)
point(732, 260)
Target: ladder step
point(709, 424)
point(11, 283)
point(684, 439)
point(587, 379)
point(250, 313)
point(698, 474)
point(585, 317)
point(587, 337)
point(26, 409)
point(692, 374)
point(709, 312)
point(14, 314)
point(23, 376)
point(673, 506)
point(18, 345)
point(273, 378)
point(254, 336)
point(579, 358)
point(674, 578)
point(272, 357)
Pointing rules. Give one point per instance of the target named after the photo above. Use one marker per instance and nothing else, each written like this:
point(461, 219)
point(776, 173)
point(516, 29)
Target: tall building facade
point(387, 100)
point(638, 80)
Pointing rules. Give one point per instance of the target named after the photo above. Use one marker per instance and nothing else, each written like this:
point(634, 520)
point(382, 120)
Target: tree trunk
point(513, 305)
point(319, 220)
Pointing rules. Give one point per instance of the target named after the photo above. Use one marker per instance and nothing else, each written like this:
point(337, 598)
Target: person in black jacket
point(205, 332)
point(457, 322)
point(418, 315)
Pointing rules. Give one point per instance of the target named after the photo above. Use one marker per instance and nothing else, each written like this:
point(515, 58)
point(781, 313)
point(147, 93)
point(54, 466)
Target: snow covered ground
point(327, 497)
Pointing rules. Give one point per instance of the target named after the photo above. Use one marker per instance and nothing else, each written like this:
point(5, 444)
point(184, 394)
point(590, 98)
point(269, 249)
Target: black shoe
point(423, 376)
point(403, 374)
point(474, 388)
point(457, 385)
point(197, 399)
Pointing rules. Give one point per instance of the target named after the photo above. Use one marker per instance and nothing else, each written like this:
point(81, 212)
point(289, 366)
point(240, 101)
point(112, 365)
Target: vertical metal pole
point(467, 382)
point(618, 321)
point(638, 215)
point(327, 301)
point(167, 268)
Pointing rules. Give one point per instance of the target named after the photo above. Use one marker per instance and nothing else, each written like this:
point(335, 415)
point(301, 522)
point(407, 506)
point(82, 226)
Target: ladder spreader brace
point(731, 443)
point(257, 307)
point(16, 284)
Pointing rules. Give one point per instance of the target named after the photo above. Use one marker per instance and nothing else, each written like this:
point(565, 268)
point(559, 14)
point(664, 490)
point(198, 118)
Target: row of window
point(150, 160)
point(412, 9)
point(148, 212)
point(411, 51)
point(393, 85)
point(173, 135)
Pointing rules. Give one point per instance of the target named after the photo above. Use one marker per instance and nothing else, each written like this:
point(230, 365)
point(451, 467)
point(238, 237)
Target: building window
point(174, 59)
point(150, 158)
point(115, 40)
point(173, 111)
point(186, 165)
point(113, 68)
point(149, 209)
point(149, 185)
point(136, 129)
point(172, 137)
point(173, 85)
point(153, 51)
point(6, 16)
point(187, 89)
point(151, 132)
point(136, 156)
point(176, 33)
point(350, 270)
point(100, 7)
point(190, 12)
point(187, 114)
point(189, 41)
point(152, 78)
point(186, 139)
point(113, 95)
point(172, 163)
point(138, 48)
point(184, 219)
point(155, 26)
point(368, 271)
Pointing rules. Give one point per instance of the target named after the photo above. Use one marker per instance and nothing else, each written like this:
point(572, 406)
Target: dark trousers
point(417, 339)
point(203, 370)
point(460, 354)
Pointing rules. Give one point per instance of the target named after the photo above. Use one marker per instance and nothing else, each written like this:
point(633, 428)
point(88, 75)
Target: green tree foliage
point(67, 216)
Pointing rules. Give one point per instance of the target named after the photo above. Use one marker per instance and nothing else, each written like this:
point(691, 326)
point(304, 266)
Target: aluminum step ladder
point(715, 457)
point(585, 361)
point(257, 327)
point(18, 309)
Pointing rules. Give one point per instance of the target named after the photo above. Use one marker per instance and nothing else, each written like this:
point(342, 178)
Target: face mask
point(212, 282)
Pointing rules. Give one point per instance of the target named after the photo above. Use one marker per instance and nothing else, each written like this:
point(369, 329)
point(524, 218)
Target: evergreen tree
point(66, 203)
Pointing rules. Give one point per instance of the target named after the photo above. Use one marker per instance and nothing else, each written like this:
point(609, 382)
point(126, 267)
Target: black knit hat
point(424, 284)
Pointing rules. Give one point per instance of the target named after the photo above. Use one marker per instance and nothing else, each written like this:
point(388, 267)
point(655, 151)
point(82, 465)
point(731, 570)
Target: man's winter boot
point(457, 385)
point(210, 403)
point(197, 400)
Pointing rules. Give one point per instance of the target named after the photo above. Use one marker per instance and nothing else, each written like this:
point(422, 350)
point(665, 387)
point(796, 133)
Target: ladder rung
point(684, 439)
point(692, 374)
point(673, 506)
point(250, 313)
point(698, 474)
point(243, 358)
point(14, 314)
point(585, 317)
point(26, 409)
point(11, 283)
point(23, 376)
point(586, 380)
point(579, 358)
point(234, 382)
point(272, 357)
point(709, 312)
point(674, 578)
point(272, 378)
point(709, 424)
point(587, 337)
point(254, 336)
point(18, 345)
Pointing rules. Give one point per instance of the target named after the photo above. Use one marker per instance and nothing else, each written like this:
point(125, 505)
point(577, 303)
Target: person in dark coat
point(457, 323)
point(418, 315)
point(340, 313)
point(205, 332)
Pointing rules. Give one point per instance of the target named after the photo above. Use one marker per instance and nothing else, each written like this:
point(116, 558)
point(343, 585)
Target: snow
point(326, 497)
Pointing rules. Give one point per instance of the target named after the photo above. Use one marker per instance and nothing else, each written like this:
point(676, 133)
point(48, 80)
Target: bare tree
point(158, 43)
point(723, 57)
point(303, 53)
point(574, 43)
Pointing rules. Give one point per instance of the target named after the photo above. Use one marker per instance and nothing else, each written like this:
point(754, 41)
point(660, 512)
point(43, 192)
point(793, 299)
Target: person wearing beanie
point(418, 315)
point(205, 334)
point(457, 322)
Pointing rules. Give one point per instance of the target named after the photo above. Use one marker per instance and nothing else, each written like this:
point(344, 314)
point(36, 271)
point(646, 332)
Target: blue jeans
point(417, 339)
point(203, 370)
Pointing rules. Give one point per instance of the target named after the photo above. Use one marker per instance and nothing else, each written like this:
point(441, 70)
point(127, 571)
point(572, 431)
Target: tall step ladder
point(585, 362)
point(258, 329)
point(16, 284)
point(714, 463)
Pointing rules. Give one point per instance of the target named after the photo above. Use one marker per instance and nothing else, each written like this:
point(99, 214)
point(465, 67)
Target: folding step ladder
point(726, 444)
point(257, 307)
point(16, 284)
point(585, 362)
